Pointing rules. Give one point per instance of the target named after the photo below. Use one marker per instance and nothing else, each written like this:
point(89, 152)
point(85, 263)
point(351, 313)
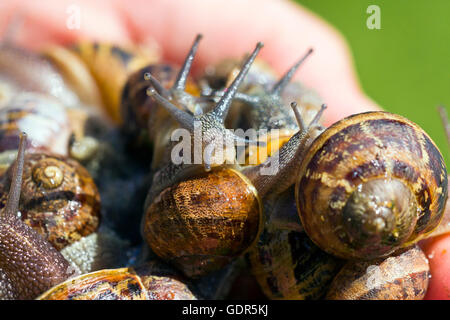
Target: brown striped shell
point(59, 199)
point(286, 263)
point(204, 222)
point(121, 284)
point(109, 66)
point(370, 184)
point(402, 276)
point(144, 122)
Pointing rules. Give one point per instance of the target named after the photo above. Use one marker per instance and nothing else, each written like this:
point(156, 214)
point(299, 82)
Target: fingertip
point(437, 251)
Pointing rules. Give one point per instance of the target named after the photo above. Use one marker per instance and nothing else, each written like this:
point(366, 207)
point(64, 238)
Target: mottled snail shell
point(286, 263)
point(288, 266)
point(370, 184)
point(43, 117)
point(145, 122)
point(134, 109)
point(402, 276)
point(143, 283)
point(108, 64)
point(204, 222)
point(59, 199)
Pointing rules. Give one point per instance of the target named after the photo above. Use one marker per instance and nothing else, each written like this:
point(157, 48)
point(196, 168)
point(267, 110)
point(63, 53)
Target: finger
point(48, 21)
point(437, 251)
point(286, 29)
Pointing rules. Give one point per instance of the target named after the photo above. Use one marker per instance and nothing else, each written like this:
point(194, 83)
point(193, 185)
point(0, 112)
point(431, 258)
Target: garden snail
point(24, 254)
point(143, 119)
point(151, 281)
point(370, 184)
point(286, 264)
point(262, 101)
point(78, 131)
point(29, 264)
point(182, 197)
point(42, 97)
point(58, 199)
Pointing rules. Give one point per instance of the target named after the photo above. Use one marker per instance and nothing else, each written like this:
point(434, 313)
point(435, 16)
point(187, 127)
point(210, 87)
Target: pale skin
point(229, 29)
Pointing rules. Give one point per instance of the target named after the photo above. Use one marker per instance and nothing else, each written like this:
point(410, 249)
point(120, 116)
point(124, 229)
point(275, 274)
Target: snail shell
point(144, 121)
point(286, 263)
point(44, 119)
point(143, 283)
point(402, 276)
point(201, 223)
point(370, 184)
point(109, 65)
point(30, 72)
point(59, 198)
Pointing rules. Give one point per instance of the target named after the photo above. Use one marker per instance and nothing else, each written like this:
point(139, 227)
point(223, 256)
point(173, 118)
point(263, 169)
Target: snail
point(151, 281)
point(286, 263)
point(277, 278)
point(29, 263)
point(144, 121)
point(78, 131)
point(30, 72)
point(262, 101)
point(61, 202)
point(199, 224)
point(44, 106)
point(24, 254)
point(59, 199)
point(370, 184)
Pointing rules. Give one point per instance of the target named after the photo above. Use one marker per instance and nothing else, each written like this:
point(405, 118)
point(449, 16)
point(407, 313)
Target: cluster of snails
point(94, 207)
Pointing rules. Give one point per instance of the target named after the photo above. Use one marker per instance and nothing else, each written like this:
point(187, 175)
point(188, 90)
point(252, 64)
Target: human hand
point(230, 29)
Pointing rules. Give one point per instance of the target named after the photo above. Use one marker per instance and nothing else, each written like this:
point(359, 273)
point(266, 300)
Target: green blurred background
point(404, 66)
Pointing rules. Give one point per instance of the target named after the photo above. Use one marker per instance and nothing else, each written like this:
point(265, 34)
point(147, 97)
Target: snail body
point(29, 264)
point(370, 184)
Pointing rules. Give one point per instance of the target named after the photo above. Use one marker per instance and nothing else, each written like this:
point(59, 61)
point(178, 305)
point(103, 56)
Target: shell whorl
point(359, 149)
point(59, 199)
